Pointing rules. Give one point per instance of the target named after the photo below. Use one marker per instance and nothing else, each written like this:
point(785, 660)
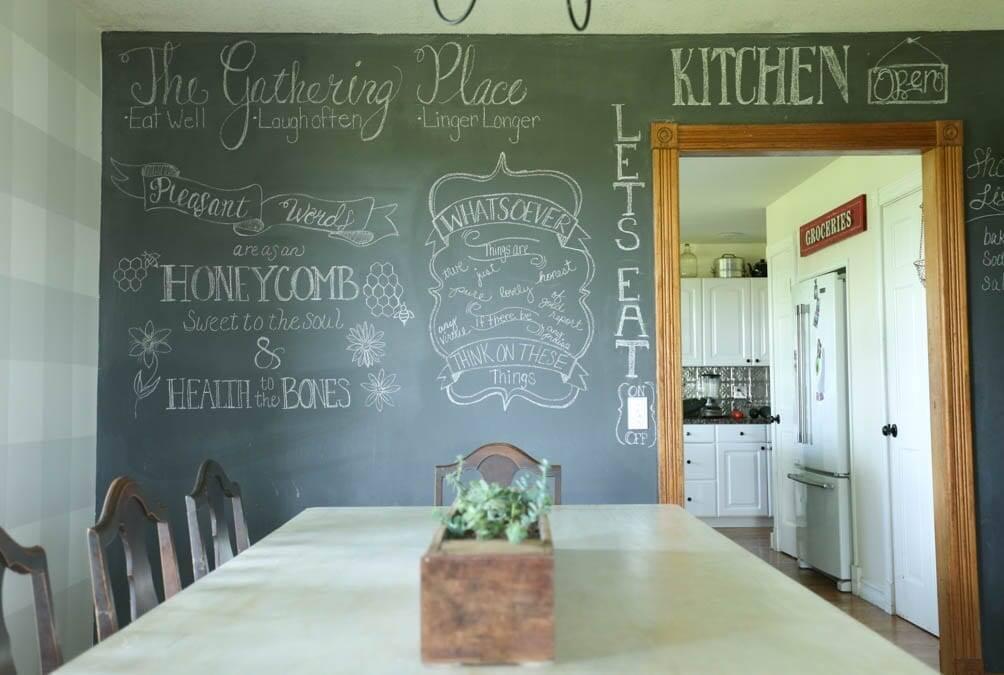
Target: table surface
point(638, 589)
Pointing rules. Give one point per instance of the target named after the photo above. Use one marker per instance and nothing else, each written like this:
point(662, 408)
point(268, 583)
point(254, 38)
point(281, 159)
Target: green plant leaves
point(492, 511)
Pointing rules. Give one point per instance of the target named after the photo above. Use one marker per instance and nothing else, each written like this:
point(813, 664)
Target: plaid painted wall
point(50, 168)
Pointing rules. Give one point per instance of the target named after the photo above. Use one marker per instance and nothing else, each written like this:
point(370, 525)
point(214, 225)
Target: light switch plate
point(637, 413)
point(740, 391)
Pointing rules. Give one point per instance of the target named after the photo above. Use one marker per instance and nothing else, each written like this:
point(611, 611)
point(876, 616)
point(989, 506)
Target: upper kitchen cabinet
point(759, 322)
point(726, 321)
point(730, 321)
point(691, 322)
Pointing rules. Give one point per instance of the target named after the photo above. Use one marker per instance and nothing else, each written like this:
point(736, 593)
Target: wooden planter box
point(488, 601)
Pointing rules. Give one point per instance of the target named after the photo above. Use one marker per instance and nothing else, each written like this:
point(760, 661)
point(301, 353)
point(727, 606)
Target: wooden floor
point(904, 634)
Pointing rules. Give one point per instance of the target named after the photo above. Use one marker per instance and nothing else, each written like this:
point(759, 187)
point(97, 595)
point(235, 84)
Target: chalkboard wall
point(331, 262)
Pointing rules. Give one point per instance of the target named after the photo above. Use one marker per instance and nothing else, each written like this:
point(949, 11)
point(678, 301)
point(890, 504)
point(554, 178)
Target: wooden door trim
point(940, 145)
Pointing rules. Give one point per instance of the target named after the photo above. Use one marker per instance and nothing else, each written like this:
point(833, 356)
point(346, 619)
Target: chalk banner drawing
point(512, 274)
point(908, 73)
point(360, 222)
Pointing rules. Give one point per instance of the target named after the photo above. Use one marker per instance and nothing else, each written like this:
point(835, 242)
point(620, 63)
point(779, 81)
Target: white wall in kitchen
point(835, 184)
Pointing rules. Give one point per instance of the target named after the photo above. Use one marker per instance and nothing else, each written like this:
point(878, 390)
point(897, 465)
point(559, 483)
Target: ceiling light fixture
point(470, 8)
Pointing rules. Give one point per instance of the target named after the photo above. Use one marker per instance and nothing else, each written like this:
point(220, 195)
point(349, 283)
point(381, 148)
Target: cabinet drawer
point(701, 497)
point(699, 461)
point(698, 433)
point(742, 433)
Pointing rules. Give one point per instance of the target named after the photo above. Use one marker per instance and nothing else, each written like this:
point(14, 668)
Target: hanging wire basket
point(921, 264)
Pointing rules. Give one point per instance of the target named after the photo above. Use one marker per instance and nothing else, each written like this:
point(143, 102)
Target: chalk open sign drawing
point(908, 73)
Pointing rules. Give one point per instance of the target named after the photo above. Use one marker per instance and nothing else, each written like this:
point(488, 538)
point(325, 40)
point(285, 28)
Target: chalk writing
point(512, 273)
point(268, 357)
point(797, 75)
point(454, 99)
point(161, 186)
point(908, 73)
point(630, 317)
point(985, 172)
point(287, 100)
point(161, 96)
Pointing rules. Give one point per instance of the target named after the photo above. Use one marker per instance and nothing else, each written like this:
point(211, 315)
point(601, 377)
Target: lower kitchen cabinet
point(701, 497)
point(742, 479)
point(726, 470)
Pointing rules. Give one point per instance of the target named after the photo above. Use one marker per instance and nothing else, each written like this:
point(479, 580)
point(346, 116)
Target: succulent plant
point(492, 511)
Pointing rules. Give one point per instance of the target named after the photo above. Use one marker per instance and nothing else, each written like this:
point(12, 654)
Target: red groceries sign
point(842, 222)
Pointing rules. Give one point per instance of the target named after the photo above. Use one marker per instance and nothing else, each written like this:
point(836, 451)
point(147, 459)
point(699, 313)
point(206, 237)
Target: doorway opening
point(938, 145)
point(816, 257)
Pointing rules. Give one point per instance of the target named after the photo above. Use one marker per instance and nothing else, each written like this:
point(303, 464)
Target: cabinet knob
point(763, 447)
point(742, 433)
point(748, 361)
point(687, 433)
point(757, 360)
point(688, 461)
point(690, 499)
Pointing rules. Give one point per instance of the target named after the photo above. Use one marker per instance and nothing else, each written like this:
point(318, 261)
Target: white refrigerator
point(823, 466)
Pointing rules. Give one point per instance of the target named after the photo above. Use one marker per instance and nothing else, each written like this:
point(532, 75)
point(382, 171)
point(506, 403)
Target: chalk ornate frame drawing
point(939, 143)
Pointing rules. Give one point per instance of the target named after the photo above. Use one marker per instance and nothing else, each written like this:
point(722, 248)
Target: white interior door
point(781, 275)
point(914, 563)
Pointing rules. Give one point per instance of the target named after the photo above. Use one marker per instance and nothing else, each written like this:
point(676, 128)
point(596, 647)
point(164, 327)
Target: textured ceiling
point(723, 198)
point(546, 16)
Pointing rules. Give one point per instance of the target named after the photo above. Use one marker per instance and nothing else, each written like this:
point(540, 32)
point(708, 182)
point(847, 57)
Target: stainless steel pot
point(728, 266)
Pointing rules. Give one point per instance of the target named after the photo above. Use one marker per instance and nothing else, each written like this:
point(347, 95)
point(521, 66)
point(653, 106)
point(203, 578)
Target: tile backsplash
point(752, 381)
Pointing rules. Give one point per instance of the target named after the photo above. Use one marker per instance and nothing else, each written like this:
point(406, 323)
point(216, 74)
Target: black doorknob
point(890, 430)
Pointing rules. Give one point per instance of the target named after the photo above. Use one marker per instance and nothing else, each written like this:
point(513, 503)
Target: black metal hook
point(470, 8)
point(571, 15)
point(460, 19)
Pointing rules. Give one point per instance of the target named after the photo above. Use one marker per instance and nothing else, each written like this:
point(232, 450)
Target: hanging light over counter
point(460, 18)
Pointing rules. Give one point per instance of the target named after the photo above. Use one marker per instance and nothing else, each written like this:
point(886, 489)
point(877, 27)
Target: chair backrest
point(30, 561)
point(497, 463)
point(212, 486)
point(126, 515)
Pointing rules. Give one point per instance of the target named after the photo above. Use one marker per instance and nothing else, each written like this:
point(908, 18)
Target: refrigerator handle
point(799, 370)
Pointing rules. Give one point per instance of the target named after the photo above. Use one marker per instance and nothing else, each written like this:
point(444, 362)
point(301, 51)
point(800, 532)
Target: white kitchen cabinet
point(726, 305)
point(725, 470)
point(735, 322)
point(691, 322)
point(700, 497)
point(742, 479)
point(759, 322)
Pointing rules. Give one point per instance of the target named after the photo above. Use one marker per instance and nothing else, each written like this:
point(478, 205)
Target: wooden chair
point(211, 486)
point(498, 463)
point(30, 561)
point(126, 515)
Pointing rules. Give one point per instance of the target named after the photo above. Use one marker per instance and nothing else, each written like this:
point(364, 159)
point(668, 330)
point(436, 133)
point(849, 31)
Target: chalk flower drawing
point(380, 390)
point(131, 272)
point(148, 344)
point(366, 344)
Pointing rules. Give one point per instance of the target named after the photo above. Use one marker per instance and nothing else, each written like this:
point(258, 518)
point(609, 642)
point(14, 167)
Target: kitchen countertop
point(722, 420)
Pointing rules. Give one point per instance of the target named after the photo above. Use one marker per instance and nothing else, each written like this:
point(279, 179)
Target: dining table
point(638, 589)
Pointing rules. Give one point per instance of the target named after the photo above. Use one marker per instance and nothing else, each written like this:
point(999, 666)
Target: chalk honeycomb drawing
point(132, 272)
point(383, 291)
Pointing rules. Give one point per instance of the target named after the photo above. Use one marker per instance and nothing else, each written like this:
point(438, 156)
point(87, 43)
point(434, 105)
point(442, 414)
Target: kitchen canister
point(728, 266)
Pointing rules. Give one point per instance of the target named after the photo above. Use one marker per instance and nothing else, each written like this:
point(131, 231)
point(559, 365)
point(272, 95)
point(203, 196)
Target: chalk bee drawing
point(148, 343)
point(366, 344)
point(908, 73)
point(512, 273)
point(380, 390)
